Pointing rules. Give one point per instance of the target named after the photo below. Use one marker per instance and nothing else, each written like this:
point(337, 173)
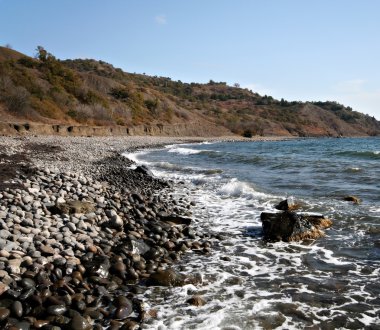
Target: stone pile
point(75, 250)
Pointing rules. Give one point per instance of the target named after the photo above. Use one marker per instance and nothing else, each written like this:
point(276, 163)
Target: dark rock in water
point(353, 199)
point(175, 219)
point(196, 301)
point(144, 170)
point(291, 226)
point(287, 205)
point(169, 277)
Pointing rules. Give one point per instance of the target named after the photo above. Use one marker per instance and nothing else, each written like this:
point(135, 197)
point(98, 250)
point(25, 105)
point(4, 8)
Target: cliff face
point(92, 96)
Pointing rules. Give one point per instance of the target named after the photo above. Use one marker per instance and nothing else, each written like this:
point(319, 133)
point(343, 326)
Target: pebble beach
point(82, 232)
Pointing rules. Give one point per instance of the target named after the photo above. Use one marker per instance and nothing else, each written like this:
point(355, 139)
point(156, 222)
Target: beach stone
point(47, 250)
point(17, 308)
point(79, 323)
point(175, 219)
point(71, 226)
point(4, 313)
point(4, 253)
point(14, 266)
point(137, 246)
point(56, 309)
point(3, 288)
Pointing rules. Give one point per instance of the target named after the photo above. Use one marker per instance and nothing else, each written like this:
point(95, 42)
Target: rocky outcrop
point(290, 226)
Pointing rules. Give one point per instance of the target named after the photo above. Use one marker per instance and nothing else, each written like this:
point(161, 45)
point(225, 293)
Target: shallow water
point(330, 283)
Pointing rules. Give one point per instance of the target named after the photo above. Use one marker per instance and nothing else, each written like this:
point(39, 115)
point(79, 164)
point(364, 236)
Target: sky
point(314, 50)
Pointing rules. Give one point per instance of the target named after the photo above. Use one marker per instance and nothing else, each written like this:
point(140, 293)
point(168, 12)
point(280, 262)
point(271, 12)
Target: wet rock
point(169, 277)
point(353, 199)
point(79, 323)
point(288, 204)
point(175, 219)
point(17, 309)
point(144, 170)
point(137, 246)
point(56, 309)
point(99, 266)
point(4, 313)
point(291, 226)
point(196, 301)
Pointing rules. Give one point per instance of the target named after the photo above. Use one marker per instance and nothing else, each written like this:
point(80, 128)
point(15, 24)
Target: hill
point(89, 92)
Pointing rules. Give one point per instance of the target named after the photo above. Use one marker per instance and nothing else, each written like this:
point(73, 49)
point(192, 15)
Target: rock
point(56, 309)
point(72, 207)
point(287, 205)
point(196, 301)
point(14, 265)
point(169, 277)
point(144, 170)
point(3, 288)
point(47, 250)
point(79, 323)
point(98, 266)
point(353, 199)
point(116, 221)
point(4, 313)
point(175, 219)
point(288, 226)
point(17, 309)
point(137, 246)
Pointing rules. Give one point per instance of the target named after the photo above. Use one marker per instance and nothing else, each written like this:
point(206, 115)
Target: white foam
point(236, 188)
point(184, 151)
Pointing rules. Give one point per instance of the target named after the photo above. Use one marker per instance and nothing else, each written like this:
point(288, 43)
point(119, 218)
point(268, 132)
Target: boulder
point(288, 204)
point(290, 226)
point(144, 170)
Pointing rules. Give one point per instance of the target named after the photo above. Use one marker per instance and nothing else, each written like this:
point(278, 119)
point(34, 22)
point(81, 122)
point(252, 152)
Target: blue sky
point(291, 49)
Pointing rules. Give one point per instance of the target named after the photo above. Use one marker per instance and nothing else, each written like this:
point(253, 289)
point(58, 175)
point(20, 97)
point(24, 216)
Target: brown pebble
point(4, 313)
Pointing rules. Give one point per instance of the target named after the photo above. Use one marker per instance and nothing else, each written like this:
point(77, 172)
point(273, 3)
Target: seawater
point(330, 283)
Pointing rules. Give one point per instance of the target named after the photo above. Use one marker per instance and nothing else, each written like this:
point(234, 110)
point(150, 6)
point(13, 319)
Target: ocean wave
point(374, 154)
point(184, 151)
point(236, 188)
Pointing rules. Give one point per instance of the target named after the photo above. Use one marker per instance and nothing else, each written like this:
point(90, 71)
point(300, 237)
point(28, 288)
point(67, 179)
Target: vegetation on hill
point(45, 89)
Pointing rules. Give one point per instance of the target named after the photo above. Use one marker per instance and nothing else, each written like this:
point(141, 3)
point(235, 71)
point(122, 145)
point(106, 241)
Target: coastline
point(77, 220)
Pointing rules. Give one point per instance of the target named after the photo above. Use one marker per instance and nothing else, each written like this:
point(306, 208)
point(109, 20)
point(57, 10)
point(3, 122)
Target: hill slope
point(90, 92)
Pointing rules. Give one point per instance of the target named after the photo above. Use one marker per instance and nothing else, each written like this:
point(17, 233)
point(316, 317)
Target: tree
point(237, 85)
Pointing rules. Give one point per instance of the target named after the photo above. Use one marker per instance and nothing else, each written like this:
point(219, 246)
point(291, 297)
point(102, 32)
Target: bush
point(247, 133)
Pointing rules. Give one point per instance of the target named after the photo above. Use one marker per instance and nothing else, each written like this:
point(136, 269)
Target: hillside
point(88, 92)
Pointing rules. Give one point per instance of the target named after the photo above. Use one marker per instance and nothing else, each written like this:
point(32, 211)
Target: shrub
point(247, 133)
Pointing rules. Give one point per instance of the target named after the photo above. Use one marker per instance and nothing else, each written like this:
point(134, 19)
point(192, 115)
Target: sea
point(248, 283)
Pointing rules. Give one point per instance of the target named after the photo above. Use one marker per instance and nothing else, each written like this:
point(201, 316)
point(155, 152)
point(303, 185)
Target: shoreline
point(75, 219)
